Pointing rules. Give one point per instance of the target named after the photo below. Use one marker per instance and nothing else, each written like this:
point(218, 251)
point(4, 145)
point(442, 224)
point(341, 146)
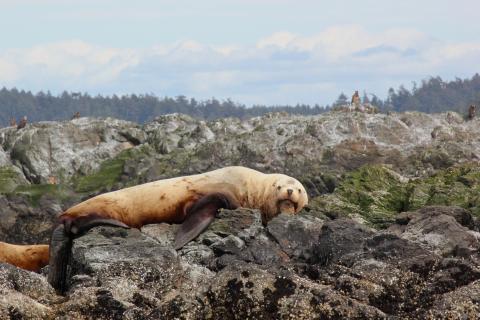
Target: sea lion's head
point(284, 194)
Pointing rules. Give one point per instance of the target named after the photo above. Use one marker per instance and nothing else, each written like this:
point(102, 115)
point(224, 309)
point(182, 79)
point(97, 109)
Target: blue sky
point(255, 52)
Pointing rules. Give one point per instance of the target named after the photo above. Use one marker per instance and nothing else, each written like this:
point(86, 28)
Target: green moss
point(373, 192)
point(458, 185)
point(377, 194)
point(9, 179)
point(109, 174)
point(35, 192)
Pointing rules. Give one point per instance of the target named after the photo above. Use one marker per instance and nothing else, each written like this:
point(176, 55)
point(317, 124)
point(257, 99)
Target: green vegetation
point(372, 192)
point(376, 193)
point(458, 185)
point(130, 167)
point(433, 95)
point(109, 173)
point(9, 179)
point(436, 95)
point(35, 192)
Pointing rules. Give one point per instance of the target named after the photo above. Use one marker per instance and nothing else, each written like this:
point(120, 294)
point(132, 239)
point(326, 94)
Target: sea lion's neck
point(255, 191)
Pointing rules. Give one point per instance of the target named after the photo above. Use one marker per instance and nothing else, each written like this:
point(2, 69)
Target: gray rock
point(62, 149)
point(296, 235)
point(296, 267)
point(439, 229)
point(340, 240)
point(20, 222)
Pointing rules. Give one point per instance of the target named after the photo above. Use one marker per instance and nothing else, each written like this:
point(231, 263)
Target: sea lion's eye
point(299, 191)
point(279, 187)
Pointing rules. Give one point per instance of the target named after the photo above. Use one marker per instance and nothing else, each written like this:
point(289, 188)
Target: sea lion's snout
point(287, 206)
point(289, 191)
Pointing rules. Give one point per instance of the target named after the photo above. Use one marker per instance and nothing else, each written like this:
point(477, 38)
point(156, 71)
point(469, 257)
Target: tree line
point(432, 95)
point(138, 108)
point(436, 95)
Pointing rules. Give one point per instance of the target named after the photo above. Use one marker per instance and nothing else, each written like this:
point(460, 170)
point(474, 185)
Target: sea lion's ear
point(199, 216)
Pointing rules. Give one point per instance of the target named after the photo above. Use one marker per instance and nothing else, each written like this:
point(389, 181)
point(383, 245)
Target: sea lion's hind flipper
point(60, 251)
point(78, 226)
point(199, 216)
point(61, 244)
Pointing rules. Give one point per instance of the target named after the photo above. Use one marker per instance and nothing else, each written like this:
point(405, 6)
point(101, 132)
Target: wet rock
point(295, 267)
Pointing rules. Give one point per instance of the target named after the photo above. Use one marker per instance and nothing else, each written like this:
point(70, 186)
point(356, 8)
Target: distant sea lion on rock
point(471, 112)
point(192, 201)
point(22, 123)
point(355, 98)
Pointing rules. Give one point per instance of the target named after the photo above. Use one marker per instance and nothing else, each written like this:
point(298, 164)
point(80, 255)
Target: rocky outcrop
point(391, 231)
point(296, 267)
point(412, 143)
point(59, 150)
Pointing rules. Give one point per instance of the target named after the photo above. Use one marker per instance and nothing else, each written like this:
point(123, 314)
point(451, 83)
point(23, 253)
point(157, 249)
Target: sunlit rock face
point(412, 142)
point(59, 150)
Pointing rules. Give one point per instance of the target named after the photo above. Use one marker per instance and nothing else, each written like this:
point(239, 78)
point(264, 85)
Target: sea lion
point(22, 123)
point(471, 112)
point(192, 201)
point(28, 257)
point(355, 98)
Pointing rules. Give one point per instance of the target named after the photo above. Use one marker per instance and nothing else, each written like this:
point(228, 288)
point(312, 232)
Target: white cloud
point(8, 71)
point(68, 64)
point(282, 68)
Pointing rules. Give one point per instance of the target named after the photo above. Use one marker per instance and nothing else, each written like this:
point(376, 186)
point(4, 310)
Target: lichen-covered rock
point(337, 141)
point(59, 150)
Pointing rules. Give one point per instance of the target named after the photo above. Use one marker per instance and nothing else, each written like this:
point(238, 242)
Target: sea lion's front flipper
point(60, 251)
point(199, 216)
